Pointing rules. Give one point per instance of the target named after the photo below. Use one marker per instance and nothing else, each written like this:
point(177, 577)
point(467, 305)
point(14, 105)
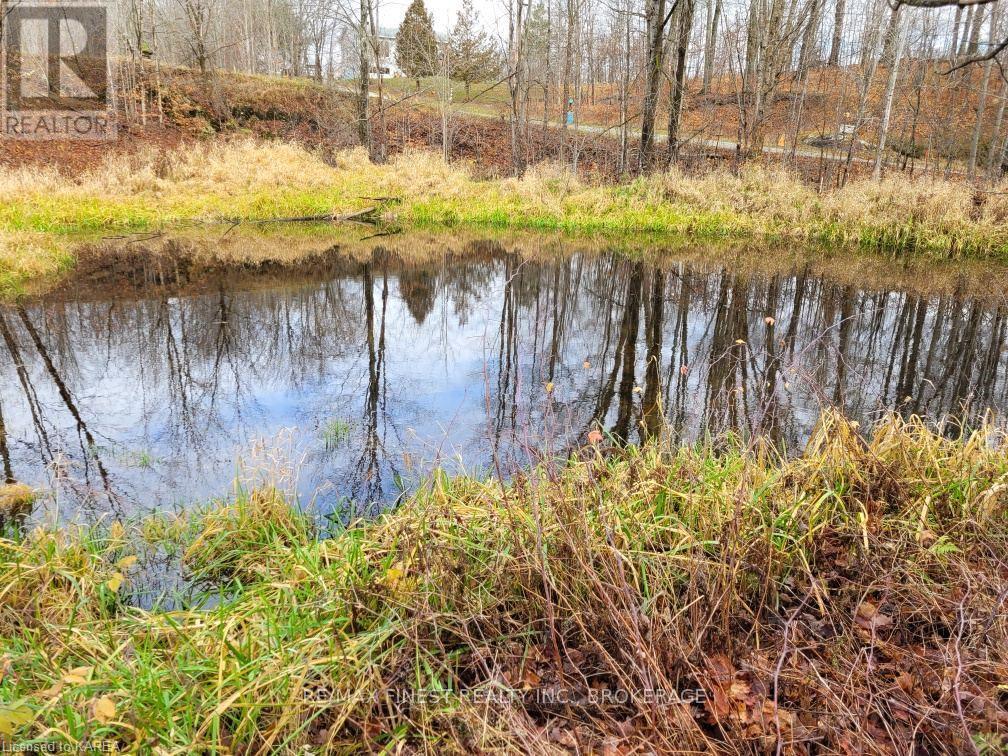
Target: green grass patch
point(247, 180)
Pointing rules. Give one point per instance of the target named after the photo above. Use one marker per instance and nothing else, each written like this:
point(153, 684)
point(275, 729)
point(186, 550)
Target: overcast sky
point(390, 13)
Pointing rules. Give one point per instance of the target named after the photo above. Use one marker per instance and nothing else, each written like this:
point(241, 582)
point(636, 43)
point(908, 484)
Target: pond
point(153, 380)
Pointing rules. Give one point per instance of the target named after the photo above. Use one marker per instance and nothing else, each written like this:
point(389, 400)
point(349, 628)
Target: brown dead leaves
point(869, 619)
point(741, 702)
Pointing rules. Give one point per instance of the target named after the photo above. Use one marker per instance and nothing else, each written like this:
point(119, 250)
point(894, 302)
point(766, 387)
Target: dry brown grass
point(15, 497)
point(154, 190)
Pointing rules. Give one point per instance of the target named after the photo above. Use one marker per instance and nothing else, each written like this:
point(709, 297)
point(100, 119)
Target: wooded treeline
point(915, 85)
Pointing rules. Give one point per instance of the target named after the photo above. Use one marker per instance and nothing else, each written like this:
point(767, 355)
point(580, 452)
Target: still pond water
point(348, 381)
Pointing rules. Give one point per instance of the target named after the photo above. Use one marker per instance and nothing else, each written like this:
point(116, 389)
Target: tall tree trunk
point(895, 42)
point(363, 115)
point(683, 31)
point(992, 151)
point(548, 76)
point(982, 100)
point(954, 43)
point(516, 79)
point(973, 43)
point(838, 23)
point(966, 32)
point(809, 38)
point(750, 74)
point(625, 91)
point(655, 20)
point(869, 47)
point(568, 66)
point(379, 147)
point(710, 43)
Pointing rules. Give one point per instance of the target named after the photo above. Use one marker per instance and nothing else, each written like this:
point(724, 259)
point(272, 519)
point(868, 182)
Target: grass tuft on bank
point(244, 179)
point(656, 597)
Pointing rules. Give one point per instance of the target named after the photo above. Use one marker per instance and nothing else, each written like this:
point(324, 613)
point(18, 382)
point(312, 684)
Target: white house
point(350, 54)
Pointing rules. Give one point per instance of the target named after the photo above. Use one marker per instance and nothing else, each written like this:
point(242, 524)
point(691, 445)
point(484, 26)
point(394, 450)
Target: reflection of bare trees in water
point(367, 483)
point(91, 450)
point(190, 360)
point(631, 348)
point(677, 381)
point(728, 377)
point(606, 391)
point(31, 398)
point(651, 407)
point(8, 470)
point(506, 405)
point(760, 355)
point(627, 354)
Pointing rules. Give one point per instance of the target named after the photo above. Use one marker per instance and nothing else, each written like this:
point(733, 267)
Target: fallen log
point(360, 216)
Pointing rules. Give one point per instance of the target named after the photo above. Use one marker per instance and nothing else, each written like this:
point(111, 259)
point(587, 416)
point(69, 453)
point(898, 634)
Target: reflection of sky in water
point(181, 395)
